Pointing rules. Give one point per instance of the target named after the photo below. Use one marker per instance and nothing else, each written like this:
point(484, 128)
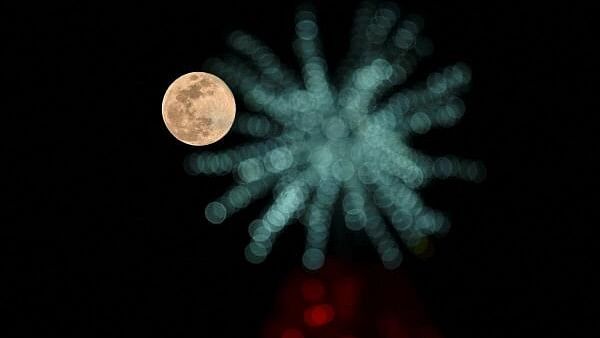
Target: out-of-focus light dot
point(382, 199)
point(239, 197)
point(215, 212)
point(343, 170)
point(316, 238)
point(225, 163)
point(313, 290)
point(401, 220)
point(353, 200)
point(355, 219)
point(463, 72)
point(318, 315)
point(365, 174)
point(335, 128)
point(404, 39)
point(391, 257)
point(275, 217)
point(329, 188)
point(189, 165)
point(476, 172)
point(201, 163)
point(255, 253)
point(313, 258)
point(213, 164)
point(254, 225)
point(261, 234)
point(383, 67)
point(306, 29)
point(363, 79)
point(292, 333)
point(420, 123)
point(436, 83)
point(258, 249)
point(443, 167)
point(250, 170)
point(280, 159)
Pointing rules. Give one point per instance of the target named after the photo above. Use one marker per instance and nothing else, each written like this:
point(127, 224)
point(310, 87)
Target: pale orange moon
point(198, 108)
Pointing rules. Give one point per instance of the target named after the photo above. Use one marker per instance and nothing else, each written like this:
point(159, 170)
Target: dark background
point(104, 231)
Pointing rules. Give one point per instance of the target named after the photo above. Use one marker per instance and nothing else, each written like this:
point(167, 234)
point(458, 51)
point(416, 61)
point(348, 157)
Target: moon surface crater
point(198, 108)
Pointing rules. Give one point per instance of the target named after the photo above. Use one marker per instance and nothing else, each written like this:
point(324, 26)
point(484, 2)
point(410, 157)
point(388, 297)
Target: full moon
point(198, 108)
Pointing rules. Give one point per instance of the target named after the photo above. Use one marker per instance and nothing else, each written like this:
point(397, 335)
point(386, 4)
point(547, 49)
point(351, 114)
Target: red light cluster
point(348, 301)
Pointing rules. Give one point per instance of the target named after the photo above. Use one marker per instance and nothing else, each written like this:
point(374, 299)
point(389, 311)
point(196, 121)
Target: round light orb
point(198, 108)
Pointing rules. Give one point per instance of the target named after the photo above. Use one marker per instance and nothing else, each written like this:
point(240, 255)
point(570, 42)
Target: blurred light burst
point(318, 139)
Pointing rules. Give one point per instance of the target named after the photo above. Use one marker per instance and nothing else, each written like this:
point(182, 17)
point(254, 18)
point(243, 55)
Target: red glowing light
point(313, 290)
point(318, 315)
point(292, 333)
point(348, 301)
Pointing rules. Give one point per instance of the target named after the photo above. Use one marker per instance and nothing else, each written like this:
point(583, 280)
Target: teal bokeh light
point(321, 138)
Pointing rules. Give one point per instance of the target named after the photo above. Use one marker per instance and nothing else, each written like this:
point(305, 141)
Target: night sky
point(105, 232)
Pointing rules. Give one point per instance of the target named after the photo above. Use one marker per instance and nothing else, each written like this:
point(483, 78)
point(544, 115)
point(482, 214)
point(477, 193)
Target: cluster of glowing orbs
point(317, 140)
